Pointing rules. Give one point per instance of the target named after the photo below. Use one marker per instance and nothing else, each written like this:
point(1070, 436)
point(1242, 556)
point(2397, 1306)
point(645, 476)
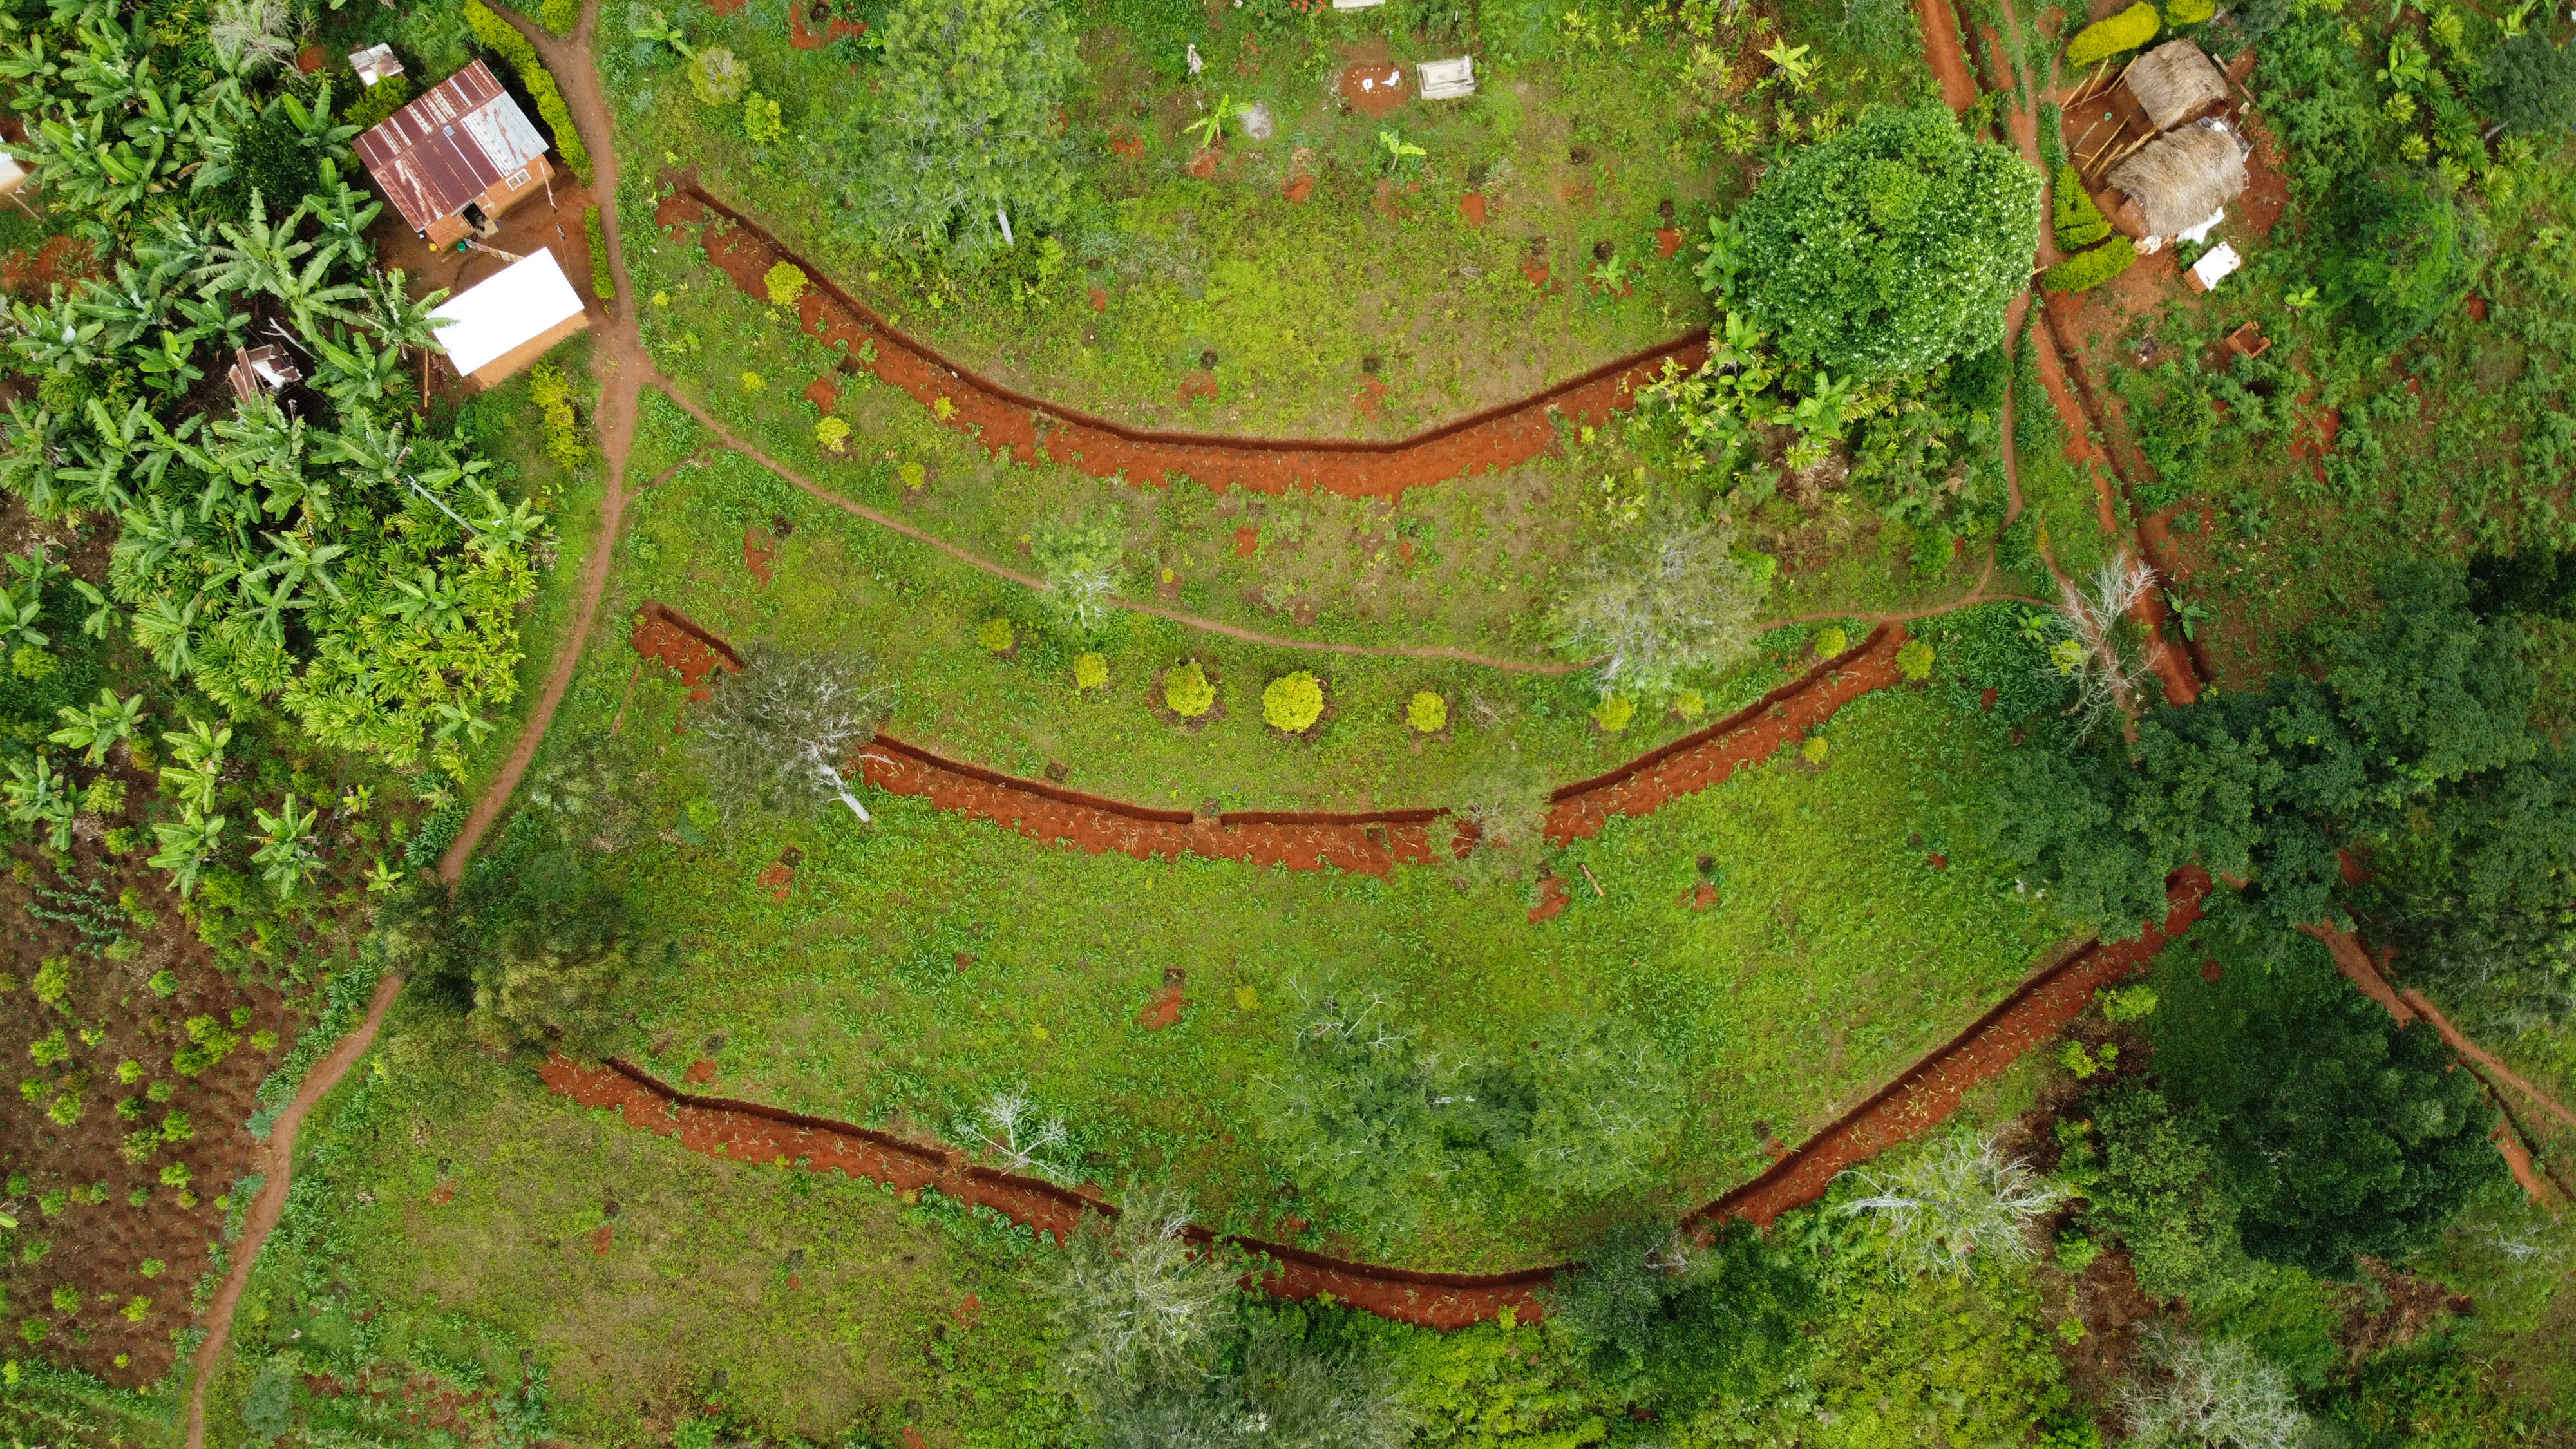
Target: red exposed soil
point(1300, 188)
point(824, 395)
point(1374, 88)
point(804, 38)
point(1917, 1100)
point(1165, 1008)
point(1247, 541)
point(1552, 899)
point(1031, 429)
point(1475, 207)
point(759, 553)
point(98, 1248)
point(61, 261)
point(665, 634)
point(1942, 52)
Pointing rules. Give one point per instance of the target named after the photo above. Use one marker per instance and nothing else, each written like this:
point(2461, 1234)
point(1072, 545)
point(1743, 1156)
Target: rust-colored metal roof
point(449, 147)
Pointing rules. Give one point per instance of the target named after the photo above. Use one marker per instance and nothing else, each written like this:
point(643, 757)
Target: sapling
point(777, 735)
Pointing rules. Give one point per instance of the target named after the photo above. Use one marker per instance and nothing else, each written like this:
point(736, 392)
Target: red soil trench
point(1032, 428)
point(1920, 1098)
point(1373, 841)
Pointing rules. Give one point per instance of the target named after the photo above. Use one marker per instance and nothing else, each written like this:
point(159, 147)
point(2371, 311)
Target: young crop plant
point(777, 734)
point(1083, 562)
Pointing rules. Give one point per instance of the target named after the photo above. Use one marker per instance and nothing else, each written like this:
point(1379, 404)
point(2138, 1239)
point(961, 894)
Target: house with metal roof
point(458, 157)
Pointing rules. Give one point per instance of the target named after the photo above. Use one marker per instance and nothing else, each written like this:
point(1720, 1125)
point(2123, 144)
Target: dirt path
point(1941, 52)
point(1920, 1097)
point(1032, 429)
point(275, 1161)
point(619, 364)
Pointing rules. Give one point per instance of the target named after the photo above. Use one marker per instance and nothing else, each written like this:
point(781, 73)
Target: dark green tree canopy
point(2338, 1132)
point(1889, 247)
point(2531, 84)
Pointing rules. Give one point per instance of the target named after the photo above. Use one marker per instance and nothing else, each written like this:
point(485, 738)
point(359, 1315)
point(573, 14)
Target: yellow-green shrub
point(1690, 704)
point(1831, 640)
point(2087, 270)
point(2189, 12)
point(995, 635)
point(1614, 712)
point(2079, 222)
point(552, 392)
point(603, 279)
point(1814, 750)
point(833, 434)
point(2107, 37)
point(1914, 660)
point(1187, 691)
point(1091, 671)
point(786, 283)
point(1293, 702)
point(1428, 713)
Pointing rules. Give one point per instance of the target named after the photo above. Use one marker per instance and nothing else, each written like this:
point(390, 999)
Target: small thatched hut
point(2178, 180)
point(2174, 83)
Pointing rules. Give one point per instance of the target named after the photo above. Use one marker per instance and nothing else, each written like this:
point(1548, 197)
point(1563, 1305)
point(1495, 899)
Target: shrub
point(717, 76)
point(760, 122)
point(1614, 713)
point(1136, 1307)
point(136, 1309)
point(53, 980)
point(559, 16)
point(164, 983)
point(2530, 85)
point(1914, 660)
point(139, 1147)
point(2128, 1003)
point(1961, 1203)
point(208, 1042)
point(175, 1174)
point(603, 278)
point(1427, 713)
point(1831, 640)
point(51, 1049)
point(378, 102)
point(66, 1298)
point(1690, 704)
point(1187, 691)
point(2078, 221)
point(151, 1268)
point(2189, 12)
point(1814, 749)
point(833, 434)
point(1293, 702)
point(1889, 247)
point(2411, 249)
point(996, 636)
point(785, 283)
point(177, 1128)
point(1658, 601)
point(1091, 671)
point(498, 37)
point(552, 393)
point(2084, 271)
point(1083, 562)
point(2148, 1174)
point(2106, 38)
point(963, 133)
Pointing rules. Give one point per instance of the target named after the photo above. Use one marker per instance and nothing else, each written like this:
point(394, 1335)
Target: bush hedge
point(2078, 221)
point(2107, 37)
point(2087, 270)
point(504, 40)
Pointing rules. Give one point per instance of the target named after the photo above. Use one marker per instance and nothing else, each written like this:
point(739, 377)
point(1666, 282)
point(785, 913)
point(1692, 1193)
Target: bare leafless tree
point(1657, 601)
point(2197, 1394)
point(1139, 1306)
point(2098, 647)
point(777, 734)
point(1008, 1125)
point(1962, 1202)
point(248, 35)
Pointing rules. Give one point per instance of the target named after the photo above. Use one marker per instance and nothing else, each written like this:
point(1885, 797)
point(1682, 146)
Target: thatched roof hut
point(2179, 180)
point(2174, 83)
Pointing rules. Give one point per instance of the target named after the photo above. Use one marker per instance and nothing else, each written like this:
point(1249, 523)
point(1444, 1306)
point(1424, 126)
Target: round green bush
point(1091, 671)
point(1831, 640)
point(2086, 270)
point(1293, 702)
point(996, 636)
point(2106, 38)
point(1613, 713)
point(1890, 247)
point(1914, 660)
point(1187, 691)
point(1428, 713)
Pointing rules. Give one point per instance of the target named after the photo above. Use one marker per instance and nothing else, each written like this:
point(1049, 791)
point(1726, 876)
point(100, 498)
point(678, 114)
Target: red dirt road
point(1031, 428)
point(1941, 52)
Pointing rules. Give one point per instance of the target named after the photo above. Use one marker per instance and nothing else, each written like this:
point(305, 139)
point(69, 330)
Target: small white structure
point(374, 63)
point(1356, 4)
point(2214, 266)
point(1447, 80)
point(509, 321)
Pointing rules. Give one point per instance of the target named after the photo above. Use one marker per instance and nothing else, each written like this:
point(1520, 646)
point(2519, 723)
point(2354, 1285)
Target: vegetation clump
point(1293, 702)
point(2123, 31)
point(1187, 691)
point(1888, 248)
point(1426, 713)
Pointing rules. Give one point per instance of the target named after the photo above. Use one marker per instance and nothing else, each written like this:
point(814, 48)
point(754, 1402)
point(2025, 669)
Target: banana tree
point(353, 372)
point(168, 632)
point(98, 727)
point(197, 767)
point(286, 855)
point(188, 845)
point(31, 454)
point(38, 796)
point(343, 215)
point(20, 608)
point(54, 336)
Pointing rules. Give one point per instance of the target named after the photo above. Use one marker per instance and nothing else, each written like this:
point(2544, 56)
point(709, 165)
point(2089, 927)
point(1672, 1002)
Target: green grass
point(927, 961)
point(688, 1306)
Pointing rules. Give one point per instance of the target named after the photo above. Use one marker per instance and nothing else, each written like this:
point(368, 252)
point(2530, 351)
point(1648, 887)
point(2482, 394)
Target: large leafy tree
point(1887, 248)
point(961, 151)
point(2337, 1131)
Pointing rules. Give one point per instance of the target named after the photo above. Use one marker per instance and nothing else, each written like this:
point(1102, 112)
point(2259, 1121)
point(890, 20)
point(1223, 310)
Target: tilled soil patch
point(1032, 429)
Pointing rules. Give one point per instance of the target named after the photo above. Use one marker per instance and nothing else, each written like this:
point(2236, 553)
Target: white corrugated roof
point(525, 299)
